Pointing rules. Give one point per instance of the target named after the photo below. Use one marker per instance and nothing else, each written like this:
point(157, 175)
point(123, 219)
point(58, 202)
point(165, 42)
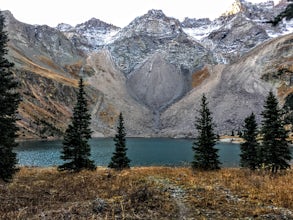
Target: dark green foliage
point(274, 153)
point(249, 149)
point(232, 133)
point(76, 149)
point(119, 159)
point(239, 133)
point(9, 100)
point(288, 108)
point(287, 13)
point(206, 156)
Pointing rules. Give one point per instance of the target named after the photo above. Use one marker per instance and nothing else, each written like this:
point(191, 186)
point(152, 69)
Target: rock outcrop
point(158, 59)
point(152, 32)
point(235, 38)
point(90, 35)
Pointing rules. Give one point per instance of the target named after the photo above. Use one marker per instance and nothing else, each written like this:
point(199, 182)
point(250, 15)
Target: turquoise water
point(141, 151)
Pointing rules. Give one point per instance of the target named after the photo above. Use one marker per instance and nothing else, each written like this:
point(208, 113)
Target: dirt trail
point(177, 193)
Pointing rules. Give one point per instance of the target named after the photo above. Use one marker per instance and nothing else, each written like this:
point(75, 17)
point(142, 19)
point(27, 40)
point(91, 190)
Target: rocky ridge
point(154, 70)
point(90, 35)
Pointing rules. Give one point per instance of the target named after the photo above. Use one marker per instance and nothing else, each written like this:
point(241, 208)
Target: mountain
point(236, 90)
point(158, 59)
point(90, 35)
point(154, 70)
point(48, 66)
point(239, 29)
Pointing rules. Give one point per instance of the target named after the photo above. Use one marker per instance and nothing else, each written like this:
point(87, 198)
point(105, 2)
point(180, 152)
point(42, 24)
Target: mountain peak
point(64, 27)
point(154, 13)
point(95, 23)
point(8, 16)
point(236, 7)
point(154, 23)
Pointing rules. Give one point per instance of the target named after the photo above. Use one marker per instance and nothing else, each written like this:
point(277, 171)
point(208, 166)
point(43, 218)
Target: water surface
point(141, 152)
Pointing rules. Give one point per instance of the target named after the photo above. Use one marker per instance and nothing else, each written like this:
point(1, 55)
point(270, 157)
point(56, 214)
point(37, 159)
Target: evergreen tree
point(249, 149)
point(76, 149)
point(206, 156)
point(239, 133)
point(9, 100)
point(119, 159)
point(274, 152)
point(232, 133)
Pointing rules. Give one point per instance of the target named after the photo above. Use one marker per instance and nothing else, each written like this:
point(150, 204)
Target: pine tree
point(76, 149)
point(249, 149)
point(274, 152)
point(119, 159)
point(9, 100)
point(206, 156)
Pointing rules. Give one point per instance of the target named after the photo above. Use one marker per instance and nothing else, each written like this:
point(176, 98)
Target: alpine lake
point(141, 152)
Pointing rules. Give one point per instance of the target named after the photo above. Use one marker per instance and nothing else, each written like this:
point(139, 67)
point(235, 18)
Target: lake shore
point(147, 193)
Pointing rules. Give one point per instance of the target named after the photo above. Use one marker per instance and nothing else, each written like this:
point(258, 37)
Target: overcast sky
point(117, 12)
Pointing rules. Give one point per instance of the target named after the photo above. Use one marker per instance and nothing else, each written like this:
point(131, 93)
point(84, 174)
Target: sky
point(117, 12)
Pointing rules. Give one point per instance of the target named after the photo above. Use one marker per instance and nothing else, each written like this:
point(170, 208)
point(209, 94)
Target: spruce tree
point(274, 152)
point(76, 149)
point(119, 159)
point(206, 155)
point(9, 100)
point(249, 149)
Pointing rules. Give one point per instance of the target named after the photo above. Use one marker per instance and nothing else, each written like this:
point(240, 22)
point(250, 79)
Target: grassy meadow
point(147, 193)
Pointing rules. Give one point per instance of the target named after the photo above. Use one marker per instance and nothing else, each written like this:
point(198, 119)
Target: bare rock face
point(40, 43)
point(89, 36)
point(243, 26)
point(152, 32)
point(156, 83)
point(158, 59)
point(195, 23)
point(236, 37)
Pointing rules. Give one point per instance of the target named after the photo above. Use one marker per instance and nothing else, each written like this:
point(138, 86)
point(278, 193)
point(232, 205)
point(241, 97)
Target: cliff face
point(154, 71)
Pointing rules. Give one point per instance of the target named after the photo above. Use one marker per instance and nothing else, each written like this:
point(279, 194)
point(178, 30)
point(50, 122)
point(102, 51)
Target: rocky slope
point(236, 90)
point(239, 29)
point(48, 74)
point(158, 59)
point(154, 70)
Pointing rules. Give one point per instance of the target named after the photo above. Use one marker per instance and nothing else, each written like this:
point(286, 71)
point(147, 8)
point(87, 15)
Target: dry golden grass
point(147, 193)
point(42, 71)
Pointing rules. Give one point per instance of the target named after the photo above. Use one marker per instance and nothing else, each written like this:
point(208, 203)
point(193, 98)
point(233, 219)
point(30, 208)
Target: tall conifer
point(9, 100)
point(119, 159)
point(205, 153)
point(274, 153)
point(76, 149)
point(249, 149)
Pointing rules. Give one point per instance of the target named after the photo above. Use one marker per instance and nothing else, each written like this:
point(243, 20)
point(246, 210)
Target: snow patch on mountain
point(259, 13)
point(89, 36)
point(202, 31)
